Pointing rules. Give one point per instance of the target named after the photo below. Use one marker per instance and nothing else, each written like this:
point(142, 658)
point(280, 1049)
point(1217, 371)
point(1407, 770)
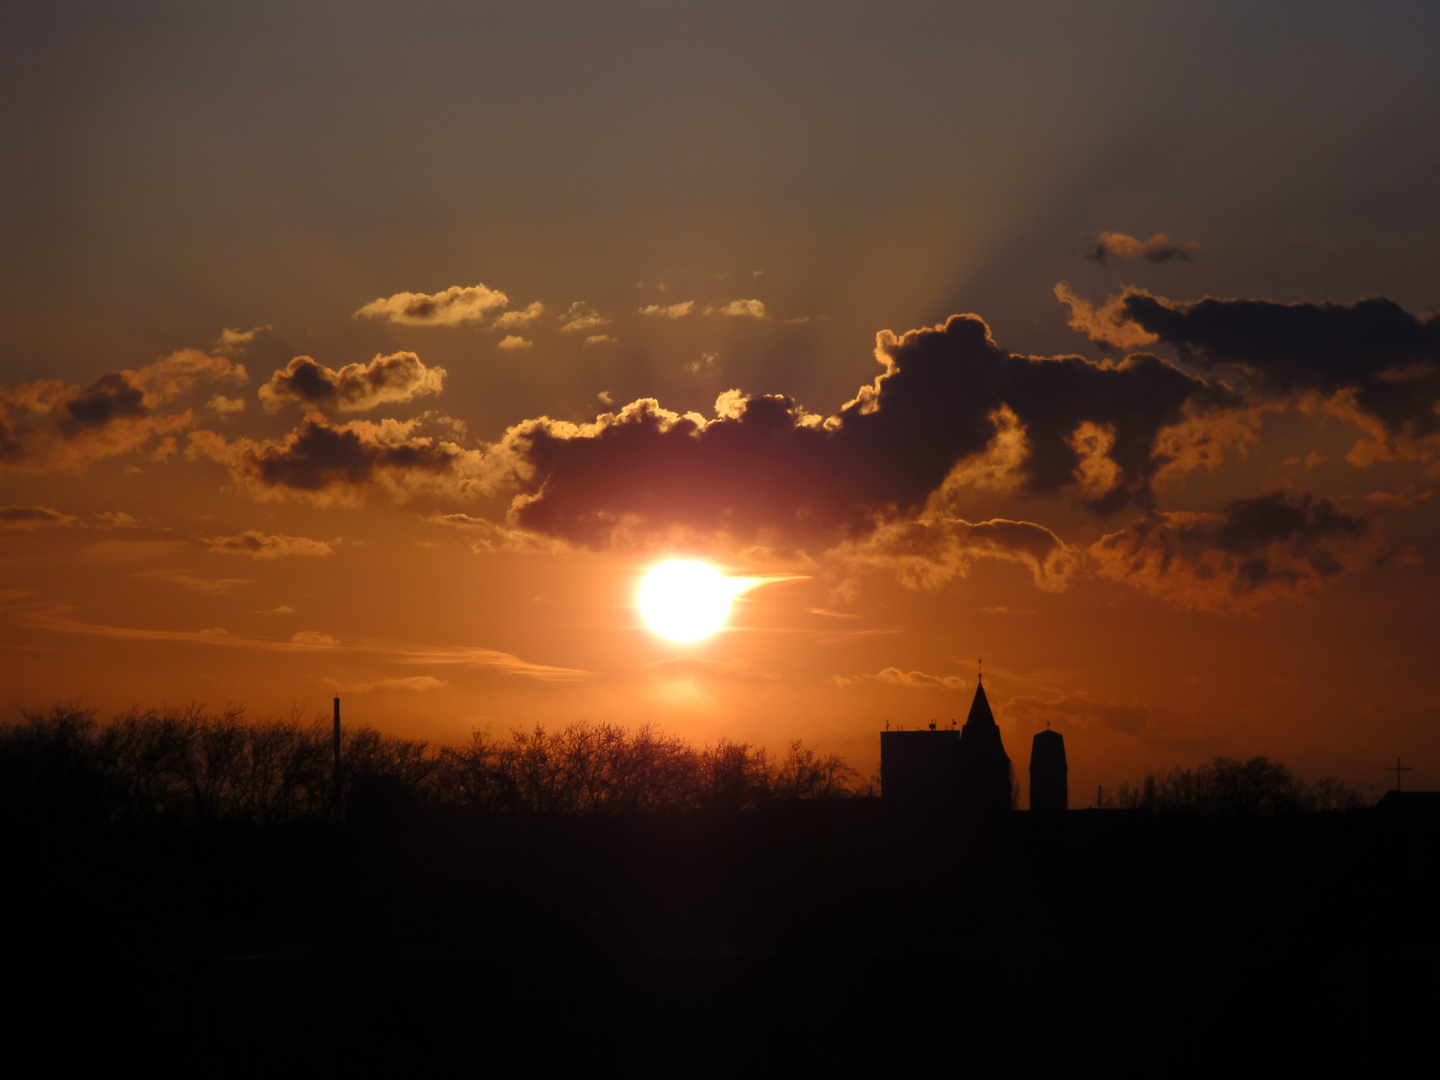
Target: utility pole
point(335, 775)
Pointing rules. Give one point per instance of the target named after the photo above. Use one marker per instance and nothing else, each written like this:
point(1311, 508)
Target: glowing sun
point(686, 601)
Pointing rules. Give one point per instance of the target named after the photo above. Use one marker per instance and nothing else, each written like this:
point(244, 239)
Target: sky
point(382, 349)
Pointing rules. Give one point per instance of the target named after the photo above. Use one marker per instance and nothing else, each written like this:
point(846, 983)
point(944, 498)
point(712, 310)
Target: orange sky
point(385, 357)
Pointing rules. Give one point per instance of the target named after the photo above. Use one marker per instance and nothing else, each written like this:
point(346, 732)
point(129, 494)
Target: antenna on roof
point(980, 666)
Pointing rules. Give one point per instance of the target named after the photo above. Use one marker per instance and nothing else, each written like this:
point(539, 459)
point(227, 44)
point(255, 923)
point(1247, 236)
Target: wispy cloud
point(59, 620)
point(669, 311)
point(414, 684)
point(260, 545)
point(189, 580)
point(491, 660)
point(34, 517)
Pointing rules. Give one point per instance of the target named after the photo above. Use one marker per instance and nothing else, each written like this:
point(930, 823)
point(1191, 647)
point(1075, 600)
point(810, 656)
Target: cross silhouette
point(1397, 769)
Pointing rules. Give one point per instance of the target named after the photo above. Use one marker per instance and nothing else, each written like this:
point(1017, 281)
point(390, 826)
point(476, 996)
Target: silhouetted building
point(982, 768)
point(918, 765)
point(1049, 775)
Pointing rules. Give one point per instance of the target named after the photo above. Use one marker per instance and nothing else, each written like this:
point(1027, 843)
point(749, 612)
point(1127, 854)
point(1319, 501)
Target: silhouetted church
point(968, 767)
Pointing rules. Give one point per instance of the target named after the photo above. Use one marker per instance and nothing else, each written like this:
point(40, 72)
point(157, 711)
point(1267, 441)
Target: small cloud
point(1003, 610)
point(516, 320)
point(223, 405)
point(1158, 249)
point(747, 309)
point(283, 609)
point(705, 363)
point(581, 317)
point(797, 320)
point(453, 306)
point(399, 377)
point(314, 637)
point(232, 342)
point(259, 545)
point(601, 339)
point(115, 519)
point(604, 398)
point(514, 341)
point(670, 311)
point(34, 517)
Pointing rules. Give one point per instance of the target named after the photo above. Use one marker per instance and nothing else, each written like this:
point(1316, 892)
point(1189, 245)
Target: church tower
point(982, 767)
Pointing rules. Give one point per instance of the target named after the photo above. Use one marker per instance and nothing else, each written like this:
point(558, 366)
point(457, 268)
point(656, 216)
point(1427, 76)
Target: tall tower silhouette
point(982, 767)
point(1049, 774)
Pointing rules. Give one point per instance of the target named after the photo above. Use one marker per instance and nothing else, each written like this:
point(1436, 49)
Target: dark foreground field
point(828, 938)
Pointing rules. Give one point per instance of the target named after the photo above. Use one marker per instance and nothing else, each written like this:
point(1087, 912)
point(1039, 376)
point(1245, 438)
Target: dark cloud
point(327, 463)
point(108, 398)
point(50, 424)
point(766, 469)
point(33, 517)
point(1158, 249)
point(398, 377)
point(1262, 549)
point(1375, 355)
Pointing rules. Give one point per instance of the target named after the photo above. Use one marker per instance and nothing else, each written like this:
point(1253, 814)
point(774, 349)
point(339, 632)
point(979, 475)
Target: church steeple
point(982, 766)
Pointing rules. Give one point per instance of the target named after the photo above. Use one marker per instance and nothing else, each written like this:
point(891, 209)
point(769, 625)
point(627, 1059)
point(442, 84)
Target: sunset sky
point(382, 349)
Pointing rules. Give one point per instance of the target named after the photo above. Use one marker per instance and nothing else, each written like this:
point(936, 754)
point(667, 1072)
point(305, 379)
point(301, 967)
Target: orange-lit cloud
point(515, 320)
point(450, 307)
point(1274, 547)
point(1107, 325)
point(1158, 249)
point(747, 309)
point(580, 317)
point(51, 425)
point(926, 553)
point(260, 545)
point(669, 311)
point(399, 377)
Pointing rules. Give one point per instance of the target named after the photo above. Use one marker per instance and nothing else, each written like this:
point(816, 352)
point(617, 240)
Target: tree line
point(1256, 787)
point(191, 763)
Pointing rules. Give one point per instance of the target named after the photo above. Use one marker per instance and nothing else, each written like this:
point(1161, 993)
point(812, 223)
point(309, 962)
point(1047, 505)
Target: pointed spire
point(980, 709)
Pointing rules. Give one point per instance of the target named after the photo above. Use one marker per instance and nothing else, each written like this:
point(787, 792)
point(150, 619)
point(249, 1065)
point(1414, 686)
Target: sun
point(685, 600)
